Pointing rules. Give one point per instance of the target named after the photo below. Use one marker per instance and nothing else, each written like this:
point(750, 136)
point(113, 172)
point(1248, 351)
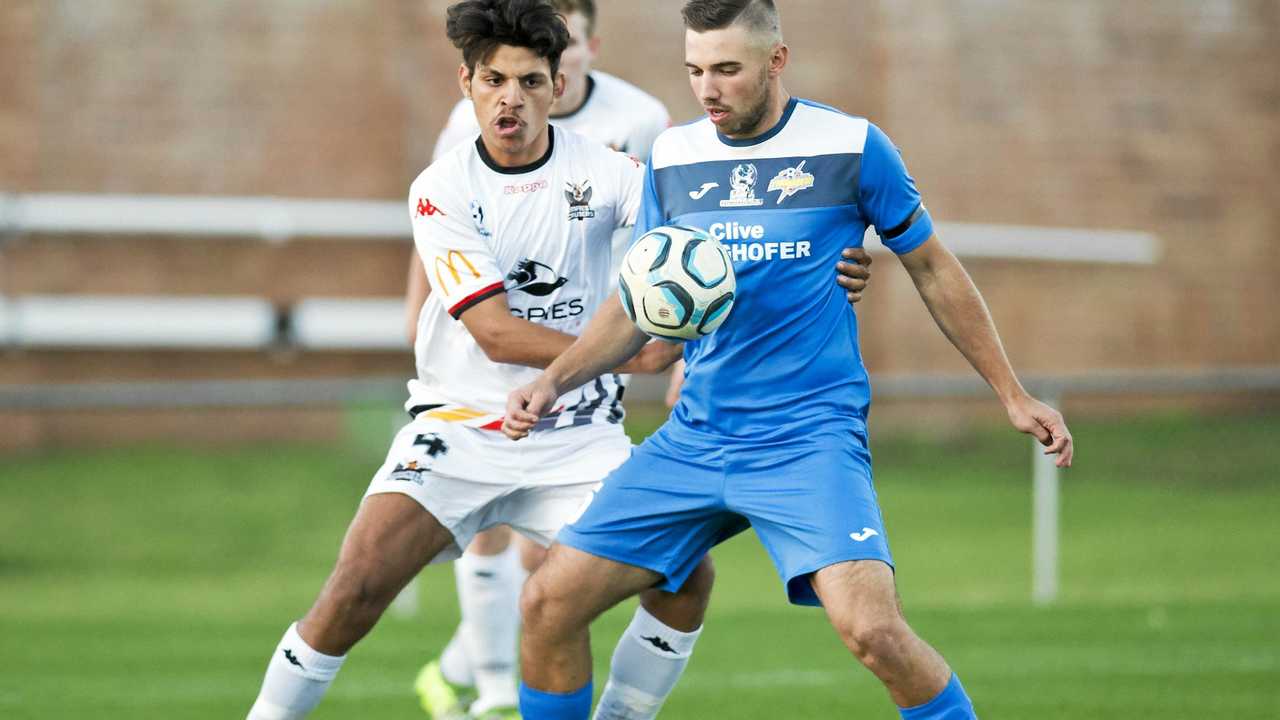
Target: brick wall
point(1155, 116)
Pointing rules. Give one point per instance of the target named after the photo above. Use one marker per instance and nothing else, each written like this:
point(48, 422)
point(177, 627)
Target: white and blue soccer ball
point(677, 283)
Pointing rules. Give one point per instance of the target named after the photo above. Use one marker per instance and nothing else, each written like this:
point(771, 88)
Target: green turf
point(153, 583)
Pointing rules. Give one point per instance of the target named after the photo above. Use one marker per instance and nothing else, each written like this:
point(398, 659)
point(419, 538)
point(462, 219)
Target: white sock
point(454, 663)
point(646, 665)
point(489, 594)
point(297, 677)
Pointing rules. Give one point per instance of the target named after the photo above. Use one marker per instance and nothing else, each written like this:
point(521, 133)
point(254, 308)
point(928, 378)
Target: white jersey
point(541, 234)
point(614, 113)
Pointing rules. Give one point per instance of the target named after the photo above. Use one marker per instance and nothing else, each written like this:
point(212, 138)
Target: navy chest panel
point(759, 184)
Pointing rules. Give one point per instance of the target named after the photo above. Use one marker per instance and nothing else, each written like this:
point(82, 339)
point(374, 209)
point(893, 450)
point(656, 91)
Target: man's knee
point(875, 639)
point(348, 607)
point(357, 592)
point(540, 605)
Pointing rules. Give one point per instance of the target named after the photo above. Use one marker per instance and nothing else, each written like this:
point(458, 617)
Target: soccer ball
point(677, 283)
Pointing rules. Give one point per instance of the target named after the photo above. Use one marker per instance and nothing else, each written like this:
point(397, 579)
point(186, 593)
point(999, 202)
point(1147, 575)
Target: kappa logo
point(866, 534)
point(742, 187)
point(426, 209)
point(529, 187)
point(293, 659)
point(450, 262)
point(707, 186)
point(533, 277)
point(579, 197)
point(791, 181)
point(659, 643)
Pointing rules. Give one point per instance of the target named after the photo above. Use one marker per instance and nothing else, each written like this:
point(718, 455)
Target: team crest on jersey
point(533, 277)
point(742, 187)
point(791, 181)
point(579, 197)
point(477, 218)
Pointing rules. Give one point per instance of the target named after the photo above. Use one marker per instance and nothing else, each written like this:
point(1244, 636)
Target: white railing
point(1044, 244)
point(269, 218)
point(281, 219)
point(40, 321)
point(136, 321)
point(93, 322)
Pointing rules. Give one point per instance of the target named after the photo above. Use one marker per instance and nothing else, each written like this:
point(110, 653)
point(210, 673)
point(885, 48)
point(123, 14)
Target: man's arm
point(505, 338)
point(415, 296)
point(958, 308)
point(610, 340)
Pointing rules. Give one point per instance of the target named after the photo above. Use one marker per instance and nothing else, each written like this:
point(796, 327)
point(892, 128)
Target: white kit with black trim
point(540, 234)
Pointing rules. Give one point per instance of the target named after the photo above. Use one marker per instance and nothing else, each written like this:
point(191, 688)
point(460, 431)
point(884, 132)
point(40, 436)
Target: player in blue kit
point(770, 431)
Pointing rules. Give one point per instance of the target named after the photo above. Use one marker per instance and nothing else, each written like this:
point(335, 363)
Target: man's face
point(730, 77)
point(576, 61)
point(512, 92)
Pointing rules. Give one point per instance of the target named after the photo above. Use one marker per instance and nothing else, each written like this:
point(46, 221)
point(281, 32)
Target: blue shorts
point(811, 502)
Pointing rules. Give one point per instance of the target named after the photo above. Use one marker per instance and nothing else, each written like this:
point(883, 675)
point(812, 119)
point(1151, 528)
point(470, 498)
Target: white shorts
point(472, 479)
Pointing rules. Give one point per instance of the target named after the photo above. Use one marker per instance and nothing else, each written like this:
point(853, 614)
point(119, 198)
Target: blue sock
point(950, 704)
point(539, 705)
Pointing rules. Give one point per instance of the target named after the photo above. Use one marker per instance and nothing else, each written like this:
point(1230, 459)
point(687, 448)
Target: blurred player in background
point(490, 573)
point(770, 430)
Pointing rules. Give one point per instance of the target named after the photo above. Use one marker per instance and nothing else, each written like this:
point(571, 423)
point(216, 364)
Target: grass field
point(153, 583)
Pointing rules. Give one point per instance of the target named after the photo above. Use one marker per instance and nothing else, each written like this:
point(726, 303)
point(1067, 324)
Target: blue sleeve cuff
point(912, 237)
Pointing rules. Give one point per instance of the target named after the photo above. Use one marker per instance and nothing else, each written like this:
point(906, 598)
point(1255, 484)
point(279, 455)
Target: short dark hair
point(758, 15)
point(479, 27)
point(587, 8)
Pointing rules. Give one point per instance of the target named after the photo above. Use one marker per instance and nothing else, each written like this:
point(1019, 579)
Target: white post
point(1044, 523)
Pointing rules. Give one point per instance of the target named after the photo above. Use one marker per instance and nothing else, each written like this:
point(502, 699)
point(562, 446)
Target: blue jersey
point(785, 204)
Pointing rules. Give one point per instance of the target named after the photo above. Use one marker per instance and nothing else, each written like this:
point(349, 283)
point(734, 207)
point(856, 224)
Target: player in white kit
point(515, 232)
point(492, 570)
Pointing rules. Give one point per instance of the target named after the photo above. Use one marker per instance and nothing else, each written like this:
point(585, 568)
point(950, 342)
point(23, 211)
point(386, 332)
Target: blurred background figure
point(202, 258)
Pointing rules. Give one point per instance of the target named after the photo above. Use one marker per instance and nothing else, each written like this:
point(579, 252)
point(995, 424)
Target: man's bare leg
point(391, 538)
point(558, 608)
point(862, 603)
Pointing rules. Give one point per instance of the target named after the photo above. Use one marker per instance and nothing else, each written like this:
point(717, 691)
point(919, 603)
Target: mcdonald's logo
point(449, 262)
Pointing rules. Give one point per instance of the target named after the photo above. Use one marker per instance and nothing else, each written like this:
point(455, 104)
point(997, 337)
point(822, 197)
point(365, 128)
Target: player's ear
point(558, 85)
point(593, 48)
point(464, 80)
point(778, 59)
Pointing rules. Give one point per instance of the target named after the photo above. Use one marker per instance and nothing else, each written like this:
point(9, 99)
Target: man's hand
point(854, 275)
point(526, 405)
point(1038, 419)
